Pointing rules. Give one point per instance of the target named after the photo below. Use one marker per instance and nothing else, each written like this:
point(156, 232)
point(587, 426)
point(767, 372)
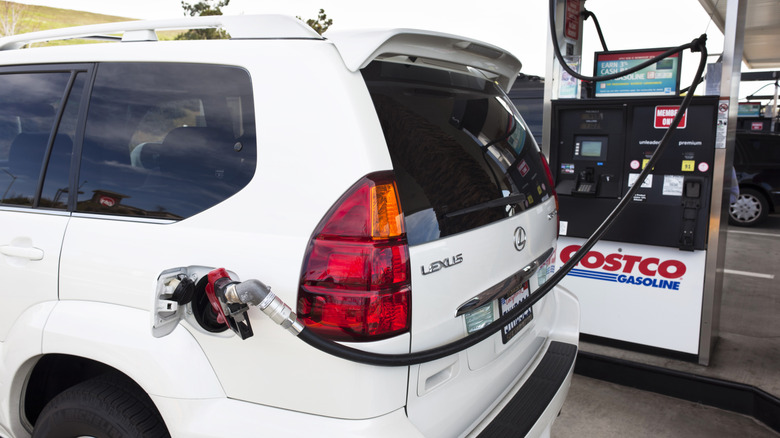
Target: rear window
point(462, 155)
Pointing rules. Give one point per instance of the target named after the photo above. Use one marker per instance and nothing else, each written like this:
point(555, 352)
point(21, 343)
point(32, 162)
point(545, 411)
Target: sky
point(519, 26)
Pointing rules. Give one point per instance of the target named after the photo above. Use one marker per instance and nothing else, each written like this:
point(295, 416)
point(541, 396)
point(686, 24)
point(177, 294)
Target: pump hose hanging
point(256, 293)
point(588, 14)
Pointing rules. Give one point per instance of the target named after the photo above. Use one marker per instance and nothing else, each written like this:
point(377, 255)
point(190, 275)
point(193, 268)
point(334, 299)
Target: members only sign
point(665, 114)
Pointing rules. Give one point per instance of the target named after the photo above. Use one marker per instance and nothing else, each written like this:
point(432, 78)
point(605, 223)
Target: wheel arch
point(53, 374)
point(82, 340)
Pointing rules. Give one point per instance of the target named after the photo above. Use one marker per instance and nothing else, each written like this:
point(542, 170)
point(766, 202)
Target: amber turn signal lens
point(386, 219)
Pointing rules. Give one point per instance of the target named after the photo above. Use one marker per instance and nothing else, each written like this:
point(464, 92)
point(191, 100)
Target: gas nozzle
point(231, 313)
point(255, 293)
point(239, 295)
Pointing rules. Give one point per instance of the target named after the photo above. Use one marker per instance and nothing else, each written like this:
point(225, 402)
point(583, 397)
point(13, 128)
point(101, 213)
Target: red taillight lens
point(356, 282)
point(552, 188)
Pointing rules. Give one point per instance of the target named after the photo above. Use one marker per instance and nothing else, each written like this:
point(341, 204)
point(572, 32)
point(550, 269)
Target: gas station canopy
point(762, 30)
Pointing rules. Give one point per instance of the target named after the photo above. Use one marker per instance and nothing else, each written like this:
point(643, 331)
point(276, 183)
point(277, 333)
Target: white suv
point(380, 182)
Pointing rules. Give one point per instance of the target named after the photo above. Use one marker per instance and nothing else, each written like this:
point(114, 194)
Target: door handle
point(30, 253)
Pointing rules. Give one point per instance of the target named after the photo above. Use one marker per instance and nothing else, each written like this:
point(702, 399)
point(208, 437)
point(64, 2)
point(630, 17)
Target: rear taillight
point(356, 279)
point(552, 189)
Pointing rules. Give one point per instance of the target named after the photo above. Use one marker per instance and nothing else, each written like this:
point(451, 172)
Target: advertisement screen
point(659, 79)
point(749, 110)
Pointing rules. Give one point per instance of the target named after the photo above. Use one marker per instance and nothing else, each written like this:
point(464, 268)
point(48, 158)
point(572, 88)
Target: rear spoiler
point(359, 48)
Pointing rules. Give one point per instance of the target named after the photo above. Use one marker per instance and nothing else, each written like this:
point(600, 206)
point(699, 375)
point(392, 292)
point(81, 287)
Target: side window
point(166, 140)
point(27, 115)
point(758, 149)
point(770, 149)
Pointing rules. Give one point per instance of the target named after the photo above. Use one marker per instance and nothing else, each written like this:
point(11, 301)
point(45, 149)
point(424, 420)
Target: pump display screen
point(590, 148)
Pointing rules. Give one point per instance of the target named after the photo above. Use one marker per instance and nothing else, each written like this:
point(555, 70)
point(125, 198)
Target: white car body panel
point(30, 278)
point(220, 417)
point(489, 256)
point(171, 366)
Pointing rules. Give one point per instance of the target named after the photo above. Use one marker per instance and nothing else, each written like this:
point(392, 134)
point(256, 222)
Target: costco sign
point(622, 268)
point(665, 114)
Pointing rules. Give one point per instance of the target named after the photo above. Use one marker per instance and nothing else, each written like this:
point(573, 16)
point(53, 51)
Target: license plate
point(509, 302)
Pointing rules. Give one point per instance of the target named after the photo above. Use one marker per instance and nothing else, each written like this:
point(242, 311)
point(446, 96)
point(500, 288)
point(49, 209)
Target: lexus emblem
point(519, 238)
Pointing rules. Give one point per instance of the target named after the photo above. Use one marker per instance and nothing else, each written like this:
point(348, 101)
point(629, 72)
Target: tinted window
point(462, 156)
point(166, 140)
point(758, 149)
point(30, 102)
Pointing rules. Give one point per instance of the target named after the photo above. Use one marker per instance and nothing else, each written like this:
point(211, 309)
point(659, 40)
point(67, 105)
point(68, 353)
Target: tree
point(201, 9)
point(11, 14)
point(321, 24)
point(204, 8)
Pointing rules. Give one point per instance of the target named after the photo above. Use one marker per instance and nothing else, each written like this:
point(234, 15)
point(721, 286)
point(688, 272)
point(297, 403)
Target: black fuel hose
point(588, 14)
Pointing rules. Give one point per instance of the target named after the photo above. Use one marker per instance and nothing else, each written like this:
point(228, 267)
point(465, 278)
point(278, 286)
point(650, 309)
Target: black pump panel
point(590, 151)
point(599, 147)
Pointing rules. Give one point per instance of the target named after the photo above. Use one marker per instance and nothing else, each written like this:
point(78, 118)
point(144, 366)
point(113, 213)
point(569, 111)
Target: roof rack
point(238, 26)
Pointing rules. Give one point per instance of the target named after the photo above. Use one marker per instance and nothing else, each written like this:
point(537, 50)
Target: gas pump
point(641, 286)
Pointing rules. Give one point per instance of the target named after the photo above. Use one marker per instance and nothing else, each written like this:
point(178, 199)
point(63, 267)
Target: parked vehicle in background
point(527, 94)
point(757, 165)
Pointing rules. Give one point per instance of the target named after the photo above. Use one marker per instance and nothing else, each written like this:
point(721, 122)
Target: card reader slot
point(586, 184)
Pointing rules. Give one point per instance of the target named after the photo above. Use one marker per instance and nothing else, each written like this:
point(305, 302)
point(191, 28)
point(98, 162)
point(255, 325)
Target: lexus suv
point(380, 183)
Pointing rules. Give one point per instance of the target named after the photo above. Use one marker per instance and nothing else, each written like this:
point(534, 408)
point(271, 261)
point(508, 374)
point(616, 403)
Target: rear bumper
point(532, 410)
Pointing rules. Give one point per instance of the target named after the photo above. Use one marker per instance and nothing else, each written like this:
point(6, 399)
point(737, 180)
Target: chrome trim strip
point(125, 218)
point(514, 281)
point(34, 210)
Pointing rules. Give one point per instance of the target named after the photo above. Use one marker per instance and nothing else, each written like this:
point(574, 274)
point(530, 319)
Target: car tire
point(750, 209)
point(103, 407)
